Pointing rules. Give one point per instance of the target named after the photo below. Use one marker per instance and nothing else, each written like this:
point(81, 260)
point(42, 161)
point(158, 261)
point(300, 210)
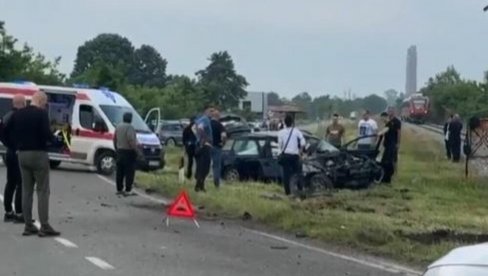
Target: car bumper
point(151, 164)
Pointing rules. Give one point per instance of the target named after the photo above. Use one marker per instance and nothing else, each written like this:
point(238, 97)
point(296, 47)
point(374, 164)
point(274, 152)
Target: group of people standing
point(26, 133)
point(369, 134)
point(203, 140)
point(452, 137)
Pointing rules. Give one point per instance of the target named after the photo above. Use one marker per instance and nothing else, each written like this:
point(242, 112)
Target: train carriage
point(415, 109)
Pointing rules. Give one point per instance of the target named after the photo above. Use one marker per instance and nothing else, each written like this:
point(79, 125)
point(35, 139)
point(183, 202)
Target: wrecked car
point(254, 157)
point(347, 167)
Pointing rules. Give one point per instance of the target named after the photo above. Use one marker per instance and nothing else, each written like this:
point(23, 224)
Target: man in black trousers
point(189, 142)
point(455, 129)
point(125, 143)
point(14, 179)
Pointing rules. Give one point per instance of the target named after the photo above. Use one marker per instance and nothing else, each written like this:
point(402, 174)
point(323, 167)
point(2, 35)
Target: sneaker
point(9, 217)
point(48, 231)
point(30, 229)
point(19, 218)
point(129, 193)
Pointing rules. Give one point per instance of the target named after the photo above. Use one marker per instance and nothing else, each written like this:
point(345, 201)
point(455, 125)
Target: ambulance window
point(88, 115)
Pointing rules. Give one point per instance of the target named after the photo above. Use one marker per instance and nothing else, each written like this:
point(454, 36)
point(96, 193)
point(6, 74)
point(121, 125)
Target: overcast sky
point(319, 46)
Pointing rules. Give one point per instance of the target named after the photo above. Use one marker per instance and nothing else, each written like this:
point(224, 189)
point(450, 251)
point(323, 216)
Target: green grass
point(428, 194)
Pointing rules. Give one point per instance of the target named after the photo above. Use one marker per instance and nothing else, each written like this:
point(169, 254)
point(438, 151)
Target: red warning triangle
point(181, 207)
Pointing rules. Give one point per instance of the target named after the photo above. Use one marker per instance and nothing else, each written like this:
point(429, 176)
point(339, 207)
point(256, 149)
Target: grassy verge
point(428, 210)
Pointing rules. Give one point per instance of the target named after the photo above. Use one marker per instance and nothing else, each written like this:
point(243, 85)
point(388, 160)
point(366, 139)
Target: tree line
point(112, 61)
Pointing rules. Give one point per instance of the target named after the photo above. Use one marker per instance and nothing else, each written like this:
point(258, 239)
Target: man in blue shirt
point(203, 129)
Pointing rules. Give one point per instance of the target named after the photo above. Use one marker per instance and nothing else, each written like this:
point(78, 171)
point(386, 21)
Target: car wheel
point(231, 175)
point(54, 164)
point(170, 142)
point(320, 183)
point(106, 163)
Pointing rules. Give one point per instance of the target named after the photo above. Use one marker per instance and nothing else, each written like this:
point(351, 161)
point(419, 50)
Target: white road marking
point(66, 243)
point(1, 197)
point(151, 198)
point(37, 224)
point(100, 263)
point(384, 266)
point(388, 267)
point(163, 247)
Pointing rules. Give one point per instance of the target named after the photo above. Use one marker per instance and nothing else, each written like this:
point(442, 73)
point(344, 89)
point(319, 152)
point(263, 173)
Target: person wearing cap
point(125, 144)
point(335, 132)
point(391, 143)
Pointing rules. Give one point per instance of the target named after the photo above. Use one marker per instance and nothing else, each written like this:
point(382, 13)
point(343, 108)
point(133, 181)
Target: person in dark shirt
point(446, 138)
point(219, 137)
point(189, 142)
point(30, 128)
point(455, 129)
point(14, 179)
point(391, 143)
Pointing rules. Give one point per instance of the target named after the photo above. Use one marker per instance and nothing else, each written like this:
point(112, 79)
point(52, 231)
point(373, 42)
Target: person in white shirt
point(290, 142)
point(367, 127)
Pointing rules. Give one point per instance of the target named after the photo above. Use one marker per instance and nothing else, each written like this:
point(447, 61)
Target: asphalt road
point(103, 234)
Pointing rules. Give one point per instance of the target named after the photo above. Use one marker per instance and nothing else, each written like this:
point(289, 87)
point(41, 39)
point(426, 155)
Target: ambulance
point(84, 122)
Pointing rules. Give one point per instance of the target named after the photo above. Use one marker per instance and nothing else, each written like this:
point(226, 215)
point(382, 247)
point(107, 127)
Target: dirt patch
point(441, 235)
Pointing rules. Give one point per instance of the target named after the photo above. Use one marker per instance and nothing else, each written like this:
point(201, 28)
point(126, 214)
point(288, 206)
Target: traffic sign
point(182, 208)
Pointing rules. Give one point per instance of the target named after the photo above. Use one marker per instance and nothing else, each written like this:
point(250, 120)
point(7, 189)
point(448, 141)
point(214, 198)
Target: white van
point(85, 120)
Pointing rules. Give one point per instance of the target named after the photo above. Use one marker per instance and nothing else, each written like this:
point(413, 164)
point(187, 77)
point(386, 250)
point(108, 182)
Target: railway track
point(439, 129)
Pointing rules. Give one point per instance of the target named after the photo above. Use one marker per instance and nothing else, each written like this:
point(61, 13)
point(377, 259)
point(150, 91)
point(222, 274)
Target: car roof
point(475, 255)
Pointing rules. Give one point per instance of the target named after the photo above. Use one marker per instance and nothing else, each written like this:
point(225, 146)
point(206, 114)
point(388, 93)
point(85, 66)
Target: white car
point(462, 261)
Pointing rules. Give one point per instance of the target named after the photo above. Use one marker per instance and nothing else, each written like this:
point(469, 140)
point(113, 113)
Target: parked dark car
point(254, 157)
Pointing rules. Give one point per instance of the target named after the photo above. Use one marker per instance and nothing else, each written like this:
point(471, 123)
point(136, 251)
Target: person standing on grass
point(290, 143)
point(189, 142)
point(446, 137)
point(218, 141)
point(125, 144)
point(14, 179)
point(455, 129)
point(367, 127)
point(203, 129)
point(335, 132)
point(30, 128)
point(391, 143)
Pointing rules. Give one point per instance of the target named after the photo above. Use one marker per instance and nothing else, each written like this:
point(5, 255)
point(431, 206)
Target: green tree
point(219, 82)
point(111, 50)
point(25, 63)
point(304, 102)
point(149, 68)
point(374, 103)
point(274, 99)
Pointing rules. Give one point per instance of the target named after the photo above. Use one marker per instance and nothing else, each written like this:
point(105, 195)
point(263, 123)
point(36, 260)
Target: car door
point(246, 154)
point(269, 158)
point(153, 117)
point(351, 147)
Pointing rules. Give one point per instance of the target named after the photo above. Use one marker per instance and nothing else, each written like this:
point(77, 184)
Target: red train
point(415, 109)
